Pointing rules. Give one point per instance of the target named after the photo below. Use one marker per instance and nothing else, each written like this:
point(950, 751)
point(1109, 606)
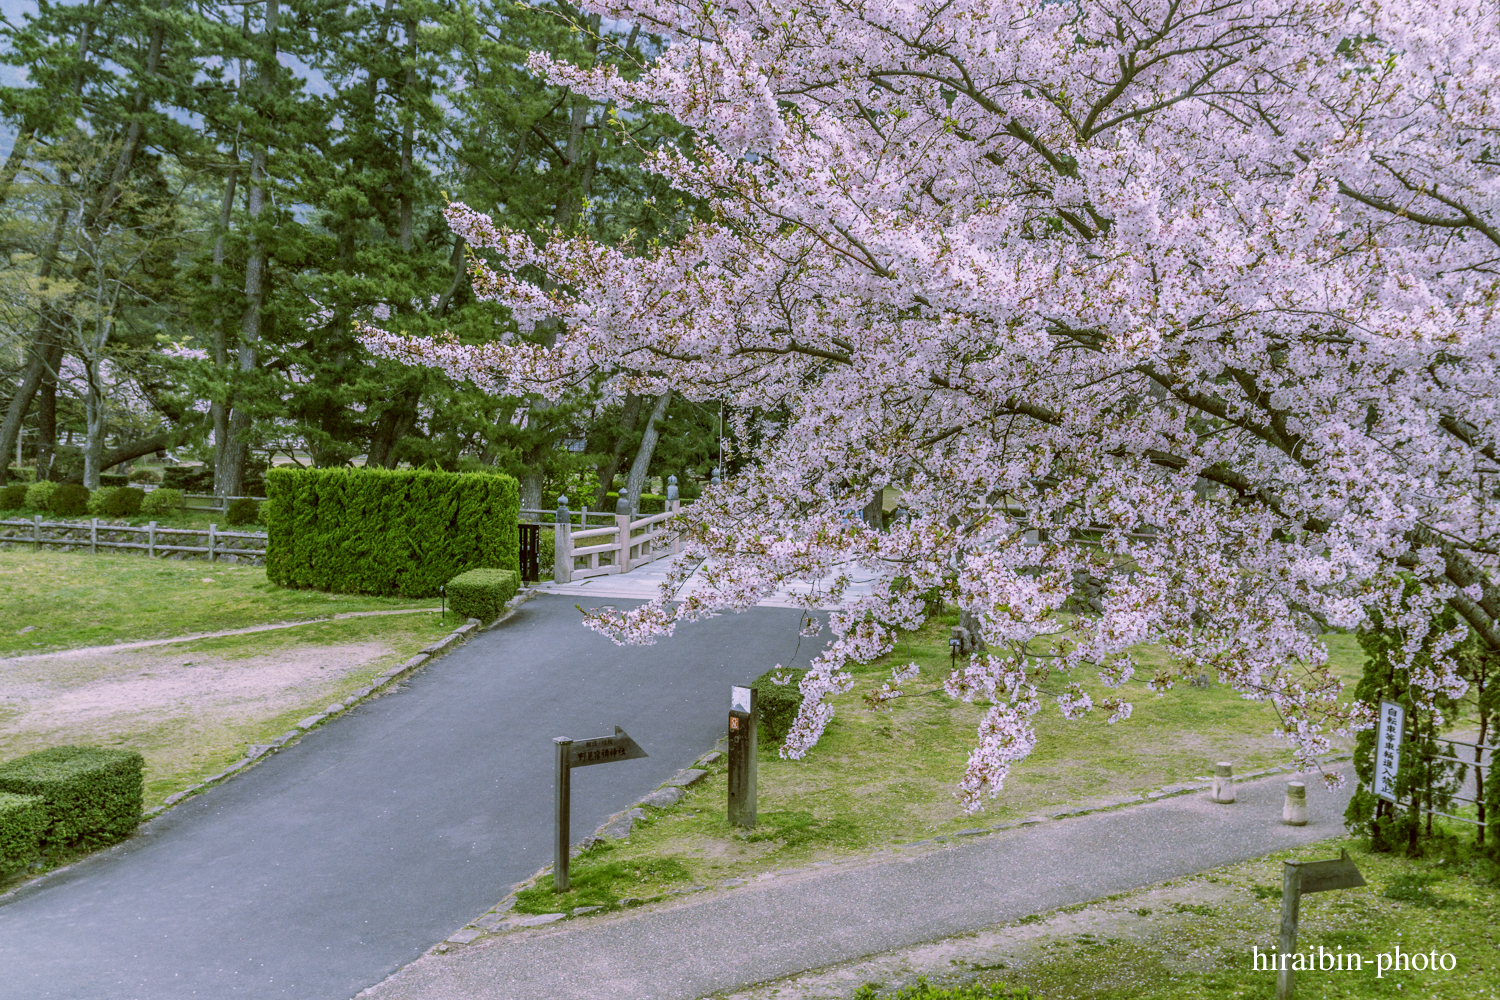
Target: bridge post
point(562, 537)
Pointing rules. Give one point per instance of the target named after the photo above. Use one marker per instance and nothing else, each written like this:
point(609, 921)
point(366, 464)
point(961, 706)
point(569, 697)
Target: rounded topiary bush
point(124, 502)
point(145, 475)
point(243, 511)
point(13, 497)
point(70, 500)
point(162, 501)
point(39, 495)
point(99, 499)
point(777, 704)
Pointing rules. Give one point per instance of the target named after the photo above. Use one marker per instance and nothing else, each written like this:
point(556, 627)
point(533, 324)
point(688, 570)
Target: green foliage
point(21, 475)
point(124, 502)
point(92, 795)
point(162, 500)
point(372, 531)
point(482, 593)
point(39, 495)
point(189, 478)
point(145, 474)
point(242, 511)
point(1420, 775)
point(23, 819)
point(1416, 887)
point(923, 990)
point(777, 704)
point(113, 479)
point(99, 499)
point(13, 497)
point(70, 500)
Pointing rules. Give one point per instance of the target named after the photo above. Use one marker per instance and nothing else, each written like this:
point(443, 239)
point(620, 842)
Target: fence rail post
point(622, 533)
point(673, 505)
point(36, 533)
point(562, 543)
point(151, 540)
point(93, 536)
point(211, 529)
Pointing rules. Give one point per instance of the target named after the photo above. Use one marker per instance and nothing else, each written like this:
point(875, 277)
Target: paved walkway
point(330, 865)
point(727, 939)
point(644, 583)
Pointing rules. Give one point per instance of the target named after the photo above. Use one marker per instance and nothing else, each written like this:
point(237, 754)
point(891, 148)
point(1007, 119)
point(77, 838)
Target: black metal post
point(564, 815)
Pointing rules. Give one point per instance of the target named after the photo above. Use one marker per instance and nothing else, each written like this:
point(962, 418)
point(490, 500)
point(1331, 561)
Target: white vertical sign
point(1392, 725)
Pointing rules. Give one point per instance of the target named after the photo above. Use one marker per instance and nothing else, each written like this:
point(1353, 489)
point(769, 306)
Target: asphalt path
point(342, 858)
point(713, 942)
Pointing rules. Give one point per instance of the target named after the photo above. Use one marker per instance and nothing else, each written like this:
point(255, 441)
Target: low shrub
point(189, 478)
point(39, 495)
point(162, 500)
point(23, 820)
point(113, 479)
point(777, 704)
point(70, 500)
point(482, 593)
point(547, 553)
point(124, 502)
point(243, 511)
point(13, 497)
point(21, 475)
point(145, 475)
point(99, 498)
point(92, 795)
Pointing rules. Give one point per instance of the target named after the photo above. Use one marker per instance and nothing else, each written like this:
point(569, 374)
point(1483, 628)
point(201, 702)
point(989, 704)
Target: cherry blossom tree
point(1173, 321)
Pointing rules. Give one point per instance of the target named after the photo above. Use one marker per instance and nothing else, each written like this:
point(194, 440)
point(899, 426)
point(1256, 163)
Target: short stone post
point(622, 526)
point(213, 530)
point(562, 539)
point(93, 536)
point(714, 481)
point(36, 533)
point(1294, 812)
point(151, 540)
point(1223, 782)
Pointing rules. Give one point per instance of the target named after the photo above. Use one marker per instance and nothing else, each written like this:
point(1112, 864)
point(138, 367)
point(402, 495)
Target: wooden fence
point(153, 539)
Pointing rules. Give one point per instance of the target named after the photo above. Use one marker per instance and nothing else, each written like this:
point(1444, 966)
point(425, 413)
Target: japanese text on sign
point(1392, 724)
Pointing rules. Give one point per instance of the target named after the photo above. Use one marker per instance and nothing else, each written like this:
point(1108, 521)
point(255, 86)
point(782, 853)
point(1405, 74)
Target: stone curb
point(495, 922)
point(380, 685)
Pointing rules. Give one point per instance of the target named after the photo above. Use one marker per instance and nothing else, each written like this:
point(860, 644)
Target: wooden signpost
point(1298, 878)
point(581, 753)
point(743, 719)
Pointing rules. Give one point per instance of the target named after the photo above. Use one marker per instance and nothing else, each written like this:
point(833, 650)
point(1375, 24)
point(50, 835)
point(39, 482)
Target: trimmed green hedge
point(13, 497)
point(242, 511)
point(70, 500)
point(39, 495)
point(23, 819)
point(162, 500)
point(389, 532)
point(482, 593)
point(92, 795)
point(777, 704)
point(123, 502)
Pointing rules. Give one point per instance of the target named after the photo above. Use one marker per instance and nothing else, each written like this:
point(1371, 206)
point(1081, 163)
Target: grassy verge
point(192, 708)
point(66, 600)
point(887, 776)
point(1192, 938)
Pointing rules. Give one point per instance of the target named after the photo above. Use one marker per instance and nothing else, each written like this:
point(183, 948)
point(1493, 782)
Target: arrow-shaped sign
point(1320, 876)
point(604, 750)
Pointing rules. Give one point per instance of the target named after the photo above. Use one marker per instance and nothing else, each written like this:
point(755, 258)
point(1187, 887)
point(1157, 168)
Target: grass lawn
point(1192, 938)
point(65, 600)
point(879, 777)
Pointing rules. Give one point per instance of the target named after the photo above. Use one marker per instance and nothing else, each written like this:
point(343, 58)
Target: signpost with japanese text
point(1391, 726)
point(581, 753)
